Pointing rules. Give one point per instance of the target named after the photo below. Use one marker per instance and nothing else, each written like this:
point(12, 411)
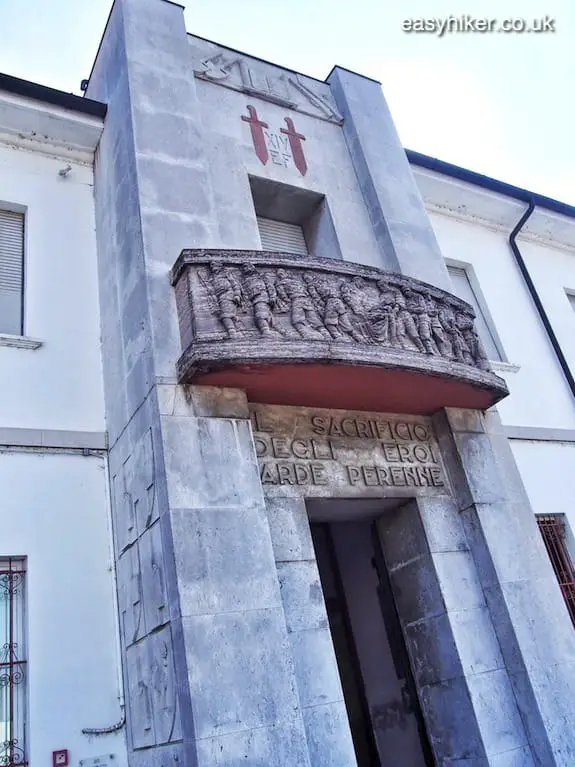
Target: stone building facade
point(325, 553)
point(324, 501)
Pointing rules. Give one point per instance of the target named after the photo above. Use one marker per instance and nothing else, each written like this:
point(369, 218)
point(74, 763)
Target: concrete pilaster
point(529, 616)
point(321, 696)
point(209, 675)
point(463, 685)
point(405, 236)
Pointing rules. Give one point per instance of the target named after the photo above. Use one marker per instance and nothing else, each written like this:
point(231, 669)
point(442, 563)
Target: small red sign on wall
point(60, 758)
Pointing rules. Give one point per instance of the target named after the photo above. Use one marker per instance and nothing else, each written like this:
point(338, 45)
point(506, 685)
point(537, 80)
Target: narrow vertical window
point(13, 671)
point(462, 287)
point(11, 272)
point(552, 529)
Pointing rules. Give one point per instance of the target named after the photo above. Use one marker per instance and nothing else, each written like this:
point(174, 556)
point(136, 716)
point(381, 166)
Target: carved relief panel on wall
point(290, 300)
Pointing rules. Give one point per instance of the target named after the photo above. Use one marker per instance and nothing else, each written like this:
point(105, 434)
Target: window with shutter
point(280, 237)
point(11, 271)
point(463, 289)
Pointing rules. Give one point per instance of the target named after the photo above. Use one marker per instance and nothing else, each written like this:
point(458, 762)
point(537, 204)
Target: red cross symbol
point(295, 141)
point(258, 137)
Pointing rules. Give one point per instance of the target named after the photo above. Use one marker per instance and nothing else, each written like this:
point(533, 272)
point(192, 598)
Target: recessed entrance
point(384, 714)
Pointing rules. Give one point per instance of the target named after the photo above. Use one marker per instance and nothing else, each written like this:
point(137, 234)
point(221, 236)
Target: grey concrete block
point(174, 755)
point(506, 543)
point(210, 463)
point(302, 596)
point(458, 580)
point(476, 641)
point(496, 711)
point(174, 188)
point(433, 651)
point(211, 402)
point(416, 591)
point(328, 736)
point(518, 757)
point(554, 689)
point(532, 624)
point(224, 561)
point(464, 420)
point(166, 394)
point(240, 670)
point(281, 745)
point(289, 529)
point(168, 136)
point(442, 524)
point(402, 535)
point(451, 721)
point(316, 669)
point(483, 475)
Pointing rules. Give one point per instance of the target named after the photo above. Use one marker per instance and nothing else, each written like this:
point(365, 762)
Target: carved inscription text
point(328, 454)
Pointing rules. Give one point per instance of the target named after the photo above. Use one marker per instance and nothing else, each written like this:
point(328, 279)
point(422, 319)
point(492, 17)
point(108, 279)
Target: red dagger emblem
point(257, 129)
point(295, 140)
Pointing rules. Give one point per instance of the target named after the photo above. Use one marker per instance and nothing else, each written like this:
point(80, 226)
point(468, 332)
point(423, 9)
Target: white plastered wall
point(59, 385)
point(53, 511)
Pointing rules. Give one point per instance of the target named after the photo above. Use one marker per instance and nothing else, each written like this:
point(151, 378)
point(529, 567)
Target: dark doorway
point(384, 715)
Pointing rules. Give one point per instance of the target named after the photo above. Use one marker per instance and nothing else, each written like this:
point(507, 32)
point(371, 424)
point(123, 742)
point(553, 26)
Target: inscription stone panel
point(335, 453)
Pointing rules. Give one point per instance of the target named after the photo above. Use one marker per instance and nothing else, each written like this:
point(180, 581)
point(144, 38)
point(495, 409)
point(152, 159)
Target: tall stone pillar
point(324, 712)
point(208, 667)
point(529, 615)
point(406, 239)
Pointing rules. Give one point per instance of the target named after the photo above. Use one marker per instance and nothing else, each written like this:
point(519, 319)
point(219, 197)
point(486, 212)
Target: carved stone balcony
point(327, 333)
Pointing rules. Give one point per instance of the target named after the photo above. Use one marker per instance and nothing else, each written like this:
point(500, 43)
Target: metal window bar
point(12, 664)
point(552, 529)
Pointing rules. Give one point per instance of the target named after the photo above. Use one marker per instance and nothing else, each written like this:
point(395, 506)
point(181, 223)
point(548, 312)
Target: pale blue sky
point(500, 104)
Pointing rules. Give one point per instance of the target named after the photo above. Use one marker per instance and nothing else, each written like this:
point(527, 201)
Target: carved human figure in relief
point(459, 349)
point(382, 318)
point(467, 327)
point(437, 331)
point(260, 291)
point(294, 293)
point(325, 291)
point(406, 327)
point(417, 307)
point(225, 296)
point(353, 294)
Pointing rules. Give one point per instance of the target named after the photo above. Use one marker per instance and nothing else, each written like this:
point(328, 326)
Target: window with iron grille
point(11, 272)
point(552, 529)
point(13, 670)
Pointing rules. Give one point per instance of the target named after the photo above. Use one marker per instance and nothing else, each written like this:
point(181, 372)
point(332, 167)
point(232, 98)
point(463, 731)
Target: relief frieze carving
point(286, 299)
point(265, 81)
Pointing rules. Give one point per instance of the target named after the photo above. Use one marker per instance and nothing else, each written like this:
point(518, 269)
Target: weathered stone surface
point(328, 736)
point(280, 745)
point(240, 671)
point(212, 578)
point(210, 463)
point(289, 529)
point(311, 453)
point(254, 307)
